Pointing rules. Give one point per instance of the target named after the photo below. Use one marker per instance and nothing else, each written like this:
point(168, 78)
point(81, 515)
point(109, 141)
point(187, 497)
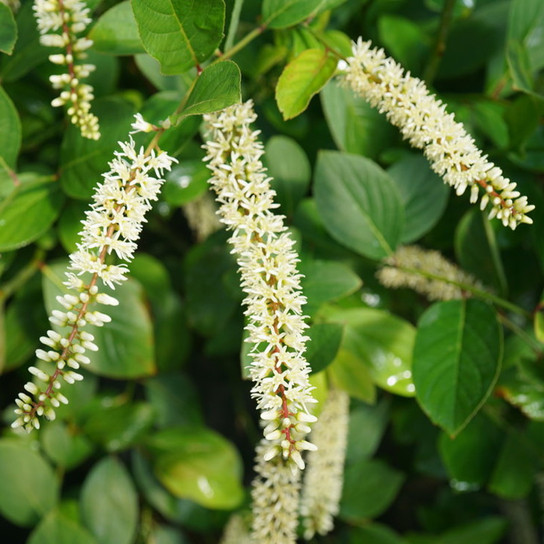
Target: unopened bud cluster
point(59, 23)
point(267, 261)
point(427, 272)
point(425, 123)
point(111, 227)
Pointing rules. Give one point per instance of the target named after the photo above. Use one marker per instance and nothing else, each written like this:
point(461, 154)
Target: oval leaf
point(116, 32)
point(359, 203)
point(109, 503)
point(198, 464)
point(180, 34)
point(28, 486)
point(301, 79)
point(283, 13)
point(8, 30)
point(28, 212)
point(58, 529)
point(217, 87)
point(457, 358)
point(10, 132)
point(423, 194)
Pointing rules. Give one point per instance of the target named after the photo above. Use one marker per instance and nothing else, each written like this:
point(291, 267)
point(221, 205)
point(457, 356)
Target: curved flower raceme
point(324, 477)
point(59, 23)
point(425, 123)
point(270, 280)
point(426, 272)
point(111, 226)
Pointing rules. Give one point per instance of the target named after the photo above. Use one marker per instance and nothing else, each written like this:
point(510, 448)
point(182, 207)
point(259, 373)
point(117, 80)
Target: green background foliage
point(446, 436)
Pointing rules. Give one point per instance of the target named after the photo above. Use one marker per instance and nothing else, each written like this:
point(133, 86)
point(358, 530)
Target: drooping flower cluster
point(59, 23)
point(267, 261)
point(425, 123)
point(426, 272)
point(275, 494)
point(324, 476)
point(112, 225)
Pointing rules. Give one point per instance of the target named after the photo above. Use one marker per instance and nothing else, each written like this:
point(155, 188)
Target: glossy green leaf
point(64, 445)
point(370, 486)
point(217, 87)
point(470, 456)
point(301, 79)
point(423, 194)
point(359, 203)
point(28, 212)
point(326, 281)
point(116, 428)
point(198, 464)
point(382, 342)
point(57, 528)
point(83, 161)
point(10, 132)
point(284, 13)
point(349, 373)
point(109, 503)
point(180, 34)
point(355, 125)
point(28, 486)
point(520, 67)
point(290, 170)
point(524, 393)
point(526, 27)
point(484, 531)
point(126, 344)
point(477, 250)
point(323, 344)
point(457, 358)
point(8, 30)
point(116, 32)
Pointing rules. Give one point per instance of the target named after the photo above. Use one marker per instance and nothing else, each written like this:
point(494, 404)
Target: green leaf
point(185, 182)
point(374, 533)
point(322, 347)
point(355, 125)
point(217, 87)
point(514, 472)
point(370, 486)
point(382, 342)
point(526, 27)
point(349, 373)
point(303, 77)
point(180, 34)
point(8, 30)
point(125, 346)
point(56, 528)
point(483, 531)
point(10, 132)
point(116, 32)
point(283, 13)
point(359, 203)
point(290, 170)
point(326, 281)
point(423, 194)
point(109, 503)
point(83, 161)
point(28, 212)
point(523, 392)
point(198, 464)
point(457, 358)
point(470, 456)
point(28, 485)
point(64, 445)
point(520, 67)
point(116, 428)
point(477, 250)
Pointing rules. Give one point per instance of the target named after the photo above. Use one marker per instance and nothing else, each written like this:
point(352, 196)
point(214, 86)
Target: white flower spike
point(425, 123)
point(111, 228)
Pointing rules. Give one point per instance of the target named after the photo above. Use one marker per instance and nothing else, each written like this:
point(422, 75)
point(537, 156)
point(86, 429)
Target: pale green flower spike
point(425, 123)
point(426, 272)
